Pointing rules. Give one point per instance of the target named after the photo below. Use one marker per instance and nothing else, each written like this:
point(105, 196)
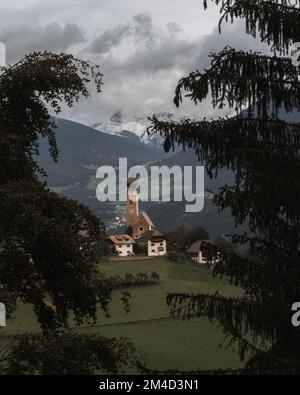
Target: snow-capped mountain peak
point(116, 125)
point(134, 128)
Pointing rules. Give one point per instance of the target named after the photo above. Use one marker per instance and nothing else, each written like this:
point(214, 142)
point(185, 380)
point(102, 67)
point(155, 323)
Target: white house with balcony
point(122, 244)
point(155, 242)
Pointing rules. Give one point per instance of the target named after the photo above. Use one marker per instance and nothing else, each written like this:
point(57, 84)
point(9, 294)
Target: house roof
point(147, 218)
point(196, 247)
point(156, 233)
point(151, 235)
point(120, 239)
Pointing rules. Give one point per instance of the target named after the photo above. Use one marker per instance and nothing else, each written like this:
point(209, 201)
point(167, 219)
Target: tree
point(196, 235)
point(68, 354)
point(42, 251)
point(225, 245)
point(176, 237)
point(263, 151)
point(48, 244)
point(129, 231)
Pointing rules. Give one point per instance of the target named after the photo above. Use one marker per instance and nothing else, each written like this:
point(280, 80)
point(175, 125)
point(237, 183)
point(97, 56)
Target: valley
point(83, 149)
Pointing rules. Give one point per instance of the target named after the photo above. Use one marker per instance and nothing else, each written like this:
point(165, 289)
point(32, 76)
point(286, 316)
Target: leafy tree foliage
point(263, 151)
point(68, 354)
point(42, 251)
point(182, 238)
point(176, 237)
point(196, 235)
point(129, 231)
point(49, 245)
point(133, 280)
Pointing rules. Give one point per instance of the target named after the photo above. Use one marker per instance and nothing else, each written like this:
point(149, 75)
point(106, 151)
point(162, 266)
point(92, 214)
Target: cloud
point(110, 38)
point(148, 50)
point(25, 38)
point(141, 60)
point(170, 55)
point(142, 69)
point(143, 25)
point(140, 28)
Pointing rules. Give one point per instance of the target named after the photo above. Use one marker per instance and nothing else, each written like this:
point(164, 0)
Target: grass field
point(166, 344)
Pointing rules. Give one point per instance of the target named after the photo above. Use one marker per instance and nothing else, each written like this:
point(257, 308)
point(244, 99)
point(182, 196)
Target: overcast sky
point(143, 47)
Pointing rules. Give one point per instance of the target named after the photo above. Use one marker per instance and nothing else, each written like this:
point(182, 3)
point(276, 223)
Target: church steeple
point(138, 220)
point(132, 206)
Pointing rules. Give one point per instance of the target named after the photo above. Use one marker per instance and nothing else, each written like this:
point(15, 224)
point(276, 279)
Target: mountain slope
point(83, 149)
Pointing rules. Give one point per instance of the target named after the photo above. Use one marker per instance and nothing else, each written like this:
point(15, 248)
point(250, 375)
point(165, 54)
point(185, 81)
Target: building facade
point(157, 245)
point(122, 244)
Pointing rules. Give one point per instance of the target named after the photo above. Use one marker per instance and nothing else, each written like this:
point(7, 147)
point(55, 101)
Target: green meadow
point(164, 343)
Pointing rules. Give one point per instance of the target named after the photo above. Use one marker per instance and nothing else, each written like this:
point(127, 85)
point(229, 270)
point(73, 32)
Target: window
point(141, 229)
point(152, 245)
point(161, 244)
point(153, 251)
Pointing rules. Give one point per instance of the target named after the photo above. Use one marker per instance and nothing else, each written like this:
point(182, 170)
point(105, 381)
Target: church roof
point(147, 218)
point(145, 237)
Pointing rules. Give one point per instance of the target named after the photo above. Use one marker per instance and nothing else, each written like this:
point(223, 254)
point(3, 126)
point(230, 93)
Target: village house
point(122, 244)
point(154, 243)
point(200, 253)
point(157, 245)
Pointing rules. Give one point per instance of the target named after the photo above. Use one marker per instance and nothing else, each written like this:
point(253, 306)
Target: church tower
point(138, 220)
point(132, 206)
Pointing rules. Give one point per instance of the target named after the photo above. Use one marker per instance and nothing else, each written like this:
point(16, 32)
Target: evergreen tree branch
point(276, 22)
point(242, 79)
